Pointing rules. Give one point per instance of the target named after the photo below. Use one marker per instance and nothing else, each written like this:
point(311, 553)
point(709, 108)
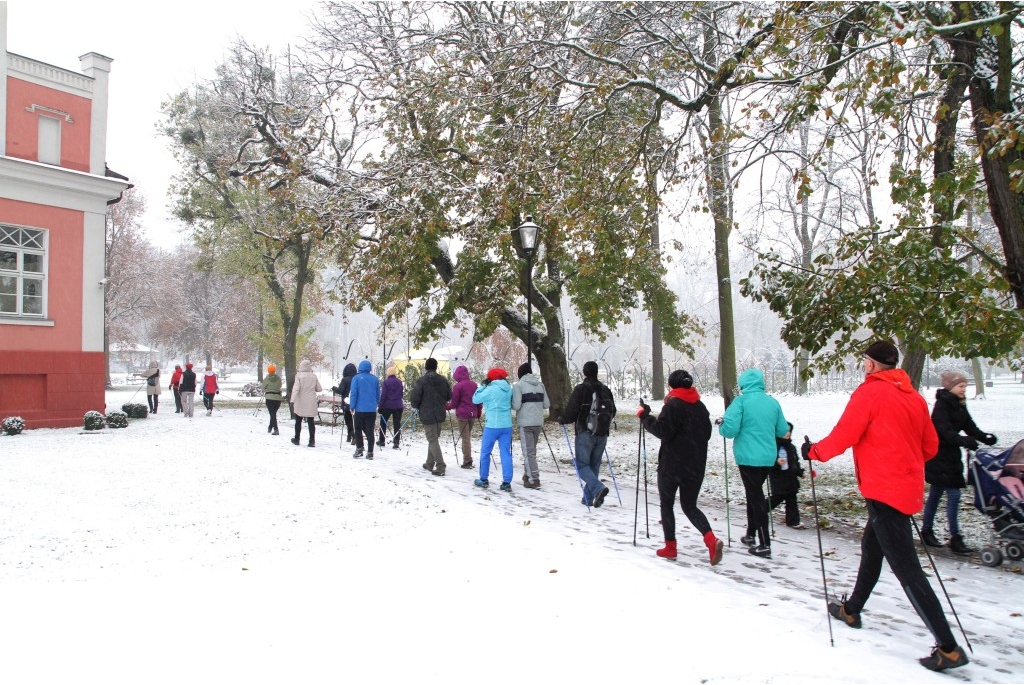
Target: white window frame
point(49, 140)
point(22, 241)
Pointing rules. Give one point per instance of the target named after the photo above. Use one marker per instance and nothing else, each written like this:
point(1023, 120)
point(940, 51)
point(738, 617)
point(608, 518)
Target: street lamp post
point(528, 237)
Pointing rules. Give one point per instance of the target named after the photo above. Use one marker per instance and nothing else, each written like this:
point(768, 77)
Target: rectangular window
point(22, 272)
point(49, 140)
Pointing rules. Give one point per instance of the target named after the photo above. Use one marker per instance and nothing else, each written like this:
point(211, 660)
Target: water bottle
point(785, 459)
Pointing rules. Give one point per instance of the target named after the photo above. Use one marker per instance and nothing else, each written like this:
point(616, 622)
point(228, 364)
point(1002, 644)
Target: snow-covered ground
point(206, 550)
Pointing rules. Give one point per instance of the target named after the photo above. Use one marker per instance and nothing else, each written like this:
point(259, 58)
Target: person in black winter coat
point(784, 479)
point(945, 472)
point(684, 428)
point(342, 388)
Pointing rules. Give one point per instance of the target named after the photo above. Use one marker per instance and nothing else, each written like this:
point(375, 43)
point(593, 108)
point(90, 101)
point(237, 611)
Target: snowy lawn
point(206, 550)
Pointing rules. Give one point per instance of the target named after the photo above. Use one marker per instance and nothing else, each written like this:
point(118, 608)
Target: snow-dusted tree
point(131, 270)
point(477, 138)
point(264, 182)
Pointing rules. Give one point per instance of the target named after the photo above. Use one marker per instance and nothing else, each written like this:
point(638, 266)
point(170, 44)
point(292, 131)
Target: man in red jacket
point(888, 426)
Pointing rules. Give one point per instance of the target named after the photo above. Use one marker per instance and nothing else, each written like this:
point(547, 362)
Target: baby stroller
point(995, 475)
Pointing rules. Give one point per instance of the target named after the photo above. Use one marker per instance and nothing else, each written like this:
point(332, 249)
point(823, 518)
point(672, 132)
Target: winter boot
point(275, 432)
point(295, 441)
point(312, 443)
point(668, 551)
point(940, 660)
point(358, 454)
point(929, 538)
point(369, 455)
point(838, 610)
point(467, 464)
point(526, 481)
point(749, 540)
point(714, 546)
point(956, 543)
point(438, 471)
point(481, 483)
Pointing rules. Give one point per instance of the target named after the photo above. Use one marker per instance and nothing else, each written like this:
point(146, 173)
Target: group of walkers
point(183, 387)
point(886, 422)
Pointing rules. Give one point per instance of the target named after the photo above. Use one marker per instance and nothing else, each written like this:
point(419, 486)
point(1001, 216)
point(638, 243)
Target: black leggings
point(309, 422)
point(689, 489)
point(272, 407)
point(888, 534)
point(757, 506)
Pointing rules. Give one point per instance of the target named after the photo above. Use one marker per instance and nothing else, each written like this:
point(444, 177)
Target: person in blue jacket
point(495, 394)
point(754, 420)
point(363, 399)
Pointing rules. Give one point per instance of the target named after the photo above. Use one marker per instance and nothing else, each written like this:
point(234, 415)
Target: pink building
point(54, 192)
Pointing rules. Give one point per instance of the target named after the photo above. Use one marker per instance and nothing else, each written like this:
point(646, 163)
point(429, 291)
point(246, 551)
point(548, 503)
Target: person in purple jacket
point(390, 406)
point(465, 411)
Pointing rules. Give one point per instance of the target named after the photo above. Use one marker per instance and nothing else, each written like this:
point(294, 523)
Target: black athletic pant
point(757, 506)
point(689, 489)
point(394, 416)
point(364, 424)
point(177, 401)
point(889, 535)
point(312, 428)
point(272, 407)
point(792, 507)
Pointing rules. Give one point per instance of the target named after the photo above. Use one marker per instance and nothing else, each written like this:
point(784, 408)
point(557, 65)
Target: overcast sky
point(158, 49)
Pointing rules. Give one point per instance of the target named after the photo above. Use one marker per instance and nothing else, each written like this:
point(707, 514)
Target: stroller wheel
point(1014, 551)
point(991, 556)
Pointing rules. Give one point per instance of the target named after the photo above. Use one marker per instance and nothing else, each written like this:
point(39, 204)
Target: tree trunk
point(913, 364)
point(979, 377)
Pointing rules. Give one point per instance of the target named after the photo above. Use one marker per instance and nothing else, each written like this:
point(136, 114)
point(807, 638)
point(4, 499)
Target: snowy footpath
point(207, 551)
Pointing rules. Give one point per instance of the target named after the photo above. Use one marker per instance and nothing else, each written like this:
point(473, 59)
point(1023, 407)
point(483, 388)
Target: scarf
point(689, 395)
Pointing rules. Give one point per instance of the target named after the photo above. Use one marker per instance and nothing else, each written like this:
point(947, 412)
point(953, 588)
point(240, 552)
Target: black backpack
point(151, 381)
point(602, 408)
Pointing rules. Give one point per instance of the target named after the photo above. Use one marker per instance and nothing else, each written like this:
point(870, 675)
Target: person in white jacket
point(304, 400)
point(529, 401)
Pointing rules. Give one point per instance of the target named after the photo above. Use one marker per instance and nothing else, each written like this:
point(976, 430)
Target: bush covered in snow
point(251, 390)
point(13, 425)
point(94, 421)
point(117, 419)
point(134, 410)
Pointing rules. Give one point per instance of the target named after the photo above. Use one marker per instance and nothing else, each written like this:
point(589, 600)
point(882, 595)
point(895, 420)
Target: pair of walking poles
point(579, 477)
point(821, 559)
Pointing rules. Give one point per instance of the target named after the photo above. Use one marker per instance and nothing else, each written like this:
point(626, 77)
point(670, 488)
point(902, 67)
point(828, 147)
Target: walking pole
point(583, 488)
point(805, 449)
point(636, 504)
point(259, 405)
point(545, 434)
point(407, 420)
point(614, 482)
point(647, 505)
point(725, 461)
point(771, 519)
point(451, 429)
point(941, 584)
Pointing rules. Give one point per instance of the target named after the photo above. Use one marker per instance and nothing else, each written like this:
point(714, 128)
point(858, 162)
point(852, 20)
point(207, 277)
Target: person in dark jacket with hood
point(187, 388)
point(784, 479)
point(363, 400)
point(343, 388)
point(684, 428)
point(465, 411)
point(430, 397)
point(392, 404)
point(945, 472)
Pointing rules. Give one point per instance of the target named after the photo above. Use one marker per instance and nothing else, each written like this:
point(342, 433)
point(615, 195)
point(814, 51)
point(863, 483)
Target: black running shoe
point(838, 610)
point(939, 660)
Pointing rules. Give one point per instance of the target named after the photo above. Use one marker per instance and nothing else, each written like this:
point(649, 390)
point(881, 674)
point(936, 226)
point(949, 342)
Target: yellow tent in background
point(447, 359)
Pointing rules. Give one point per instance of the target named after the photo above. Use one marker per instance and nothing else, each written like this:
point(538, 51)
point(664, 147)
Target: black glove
point(486, 381)
point(718, 421)
point(990, 439)
point(644, 411)
point(805, 448)
point(969, 443)
point(217, 393)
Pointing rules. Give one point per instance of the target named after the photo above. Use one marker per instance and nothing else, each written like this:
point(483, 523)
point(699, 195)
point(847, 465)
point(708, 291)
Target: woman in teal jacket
point(496, 395)
point(754, 420)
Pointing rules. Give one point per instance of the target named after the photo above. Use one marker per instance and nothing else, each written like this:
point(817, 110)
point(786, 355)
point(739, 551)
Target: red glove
point(643, 411)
